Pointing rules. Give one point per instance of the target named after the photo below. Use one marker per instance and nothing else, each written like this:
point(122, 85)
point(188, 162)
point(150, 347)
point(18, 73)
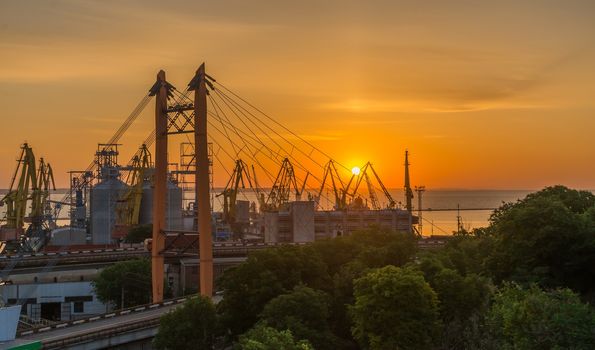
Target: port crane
point(237, 181)
point(29, 184)
point(375, 203)
point(330, 172)
point(129, 205)
point(284, 184)
point(18, 193)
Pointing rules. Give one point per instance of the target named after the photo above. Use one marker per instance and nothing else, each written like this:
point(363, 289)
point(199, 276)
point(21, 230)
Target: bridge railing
point(100, 334)
point(116, 313)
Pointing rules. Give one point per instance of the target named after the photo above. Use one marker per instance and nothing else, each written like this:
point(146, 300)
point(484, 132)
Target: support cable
point(281, 148)
point(281, 125)
point(249, 144)
point(225, 100)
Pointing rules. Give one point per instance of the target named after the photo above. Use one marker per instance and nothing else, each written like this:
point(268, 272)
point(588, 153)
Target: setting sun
point(355, 170)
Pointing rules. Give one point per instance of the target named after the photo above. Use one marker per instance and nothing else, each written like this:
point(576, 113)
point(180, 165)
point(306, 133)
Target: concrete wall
point(333, 223)
point(40, 293)
point(302, 221)
point(271, 226)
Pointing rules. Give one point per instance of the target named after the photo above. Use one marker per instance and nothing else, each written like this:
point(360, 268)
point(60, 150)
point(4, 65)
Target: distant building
point(302, 223)
point(54, 301)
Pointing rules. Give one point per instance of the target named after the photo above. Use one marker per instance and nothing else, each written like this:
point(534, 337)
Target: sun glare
point(355, 171)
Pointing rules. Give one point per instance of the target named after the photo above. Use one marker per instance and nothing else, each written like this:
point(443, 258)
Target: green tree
point(304, 312)
point(463, 294)
point(459, 296)
point(265, 275)
point(138, 234)
point(262, 337)
point(191, 326)
point(462, 301)
point(546, 238)
point(535, 319)
point(128, 281)
point(395, 308)
point(374, 247)
point(342, 296)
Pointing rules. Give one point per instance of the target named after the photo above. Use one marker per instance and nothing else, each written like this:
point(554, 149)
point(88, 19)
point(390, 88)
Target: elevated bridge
point(77, 257)
point(137, 325)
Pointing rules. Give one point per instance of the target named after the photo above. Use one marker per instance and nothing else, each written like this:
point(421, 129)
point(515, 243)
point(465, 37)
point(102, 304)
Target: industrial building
point(302, 223)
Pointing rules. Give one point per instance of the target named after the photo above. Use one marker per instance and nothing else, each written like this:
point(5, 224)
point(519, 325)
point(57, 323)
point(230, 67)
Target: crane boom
point(391, 202)
point(114, 139)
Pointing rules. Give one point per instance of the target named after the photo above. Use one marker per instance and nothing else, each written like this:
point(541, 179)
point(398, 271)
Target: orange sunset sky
point(484, 94)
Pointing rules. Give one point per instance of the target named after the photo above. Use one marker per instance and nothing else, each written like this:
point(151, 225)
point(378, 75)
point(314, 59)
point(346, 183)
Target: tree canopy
point(132, 278)
point(304, 312)
point(546, 238)
point(272, 272)
point(262, 337)
point(191, 326)
point(395, 308)
point(530, 318)
point(516, 284)
point(265, 275)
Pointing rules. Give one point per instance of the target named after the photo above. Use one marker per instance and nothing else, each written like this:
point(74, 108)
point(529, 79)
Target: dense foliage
point(262, 337)
point(126, 281)
point(304, 312)
point(547, 238)
point(523, 282)
point(191, 326)
point(328, 266)
point(394, 309)
point(530, 318)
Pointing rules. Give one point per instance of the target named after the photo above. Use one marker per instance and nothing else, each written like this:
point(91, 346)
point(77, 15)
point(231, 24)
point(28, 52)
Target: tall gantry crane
point(284, 185)
point(330, 172)
point(363, 175)
point(41, 201)
point(18, 193)
point(33, 184)
point(40, 218)
point(128, 207)
point(238, 180)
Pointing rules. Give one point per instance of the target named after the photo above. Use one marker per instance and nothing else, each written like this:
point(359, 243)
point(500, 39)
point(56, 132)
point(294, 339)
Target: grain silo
point(104, 197)
point(173, 214)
